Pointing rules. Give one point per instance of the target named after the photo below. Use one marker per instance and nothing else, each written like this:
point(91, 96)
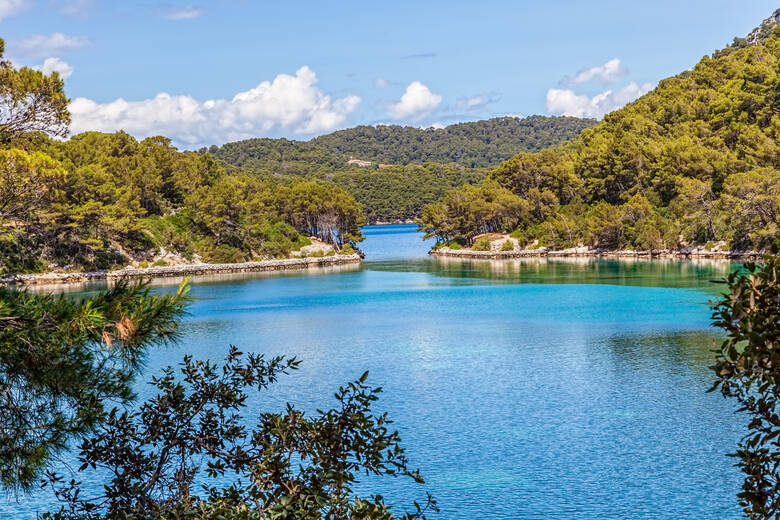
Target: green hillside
point(99, 201)
point(410, 167)
point(694, 161)
point(473, 145)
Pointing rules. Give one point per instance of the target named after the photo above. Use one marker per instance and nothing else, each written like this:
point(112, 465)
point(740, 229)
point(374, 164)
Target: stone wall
point(182, 270)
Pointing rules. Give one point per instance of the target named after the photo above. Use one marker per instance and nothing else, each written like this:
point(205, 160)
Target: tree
point(747, 369)
point(62, 358)
point(30, 101)
point(28, 183)
point(289, 466)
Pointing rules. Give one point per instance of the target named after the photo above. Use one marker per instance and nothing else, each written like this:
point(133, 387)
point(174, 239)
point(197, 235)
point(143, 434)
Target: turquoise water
point(535, 389)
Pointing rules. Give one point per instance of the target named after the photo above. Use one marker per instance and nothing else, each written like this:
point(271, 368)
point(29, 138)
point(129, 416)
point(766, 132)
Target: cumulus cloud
point(416, 102)
point(567, 103)
point(476, 103)
point(180, 12)
point(56, 65)
point(11, 7)
point(288, 103)
point(54, 44)
point(608, 73)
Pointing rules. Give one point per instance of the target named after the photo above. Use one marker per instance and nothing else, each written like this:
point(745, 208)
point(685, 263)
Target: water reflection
point(698, 273)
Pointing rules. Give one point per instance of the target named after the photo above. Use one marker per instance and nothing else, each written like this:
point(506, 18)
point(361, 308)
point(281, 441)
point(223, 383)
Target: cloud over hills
point(416, 102)
point(288, 103)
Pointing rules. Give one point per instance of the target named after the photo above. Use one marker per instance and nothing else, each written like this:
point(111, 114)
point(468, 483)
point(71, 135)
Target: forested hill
point(473, 145)
point(696, 160)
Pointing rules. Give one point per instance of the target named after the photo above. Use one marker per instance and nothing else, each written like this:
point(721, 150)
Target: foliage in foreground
point(62, 359)
point(289, 466)
point(748, 370)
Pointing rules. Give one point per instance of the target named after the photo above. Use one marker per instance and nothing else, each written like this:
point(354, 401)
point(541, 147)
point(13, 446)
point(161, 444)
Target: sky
point(222, 70)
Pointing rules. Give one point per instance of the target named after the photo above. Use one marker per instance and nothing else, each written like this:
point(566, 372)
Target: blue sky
point(222, 70)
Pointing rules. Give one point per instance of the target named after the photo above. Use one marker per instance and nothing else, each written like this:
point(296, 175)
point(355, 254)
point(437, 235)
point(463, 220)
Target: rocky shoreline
point(182, 270)
point(683, 253)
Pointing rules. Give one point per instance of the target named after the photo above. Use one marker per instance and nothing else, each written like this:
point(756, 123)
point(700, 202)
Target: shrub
point(160, 263)
point(482, 244)
point(508, 245)
point(347, 249)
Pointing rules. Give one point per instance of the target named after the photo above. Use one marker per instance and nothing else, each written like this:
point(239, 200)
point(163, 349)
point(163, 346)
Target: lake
point(522, 389)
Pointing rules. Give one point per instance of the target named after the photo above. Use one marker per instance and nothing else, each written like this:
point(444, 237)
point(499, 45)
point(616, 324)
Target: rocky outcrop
point(760, 33)
point(182, 270)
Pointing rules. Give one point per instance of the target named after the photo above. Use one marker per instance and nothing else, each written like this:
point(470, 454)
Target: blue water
point(535, 389)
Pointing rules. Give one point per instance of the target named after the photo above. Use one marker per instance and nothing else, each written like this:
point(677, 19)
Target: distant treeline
point(425, 162)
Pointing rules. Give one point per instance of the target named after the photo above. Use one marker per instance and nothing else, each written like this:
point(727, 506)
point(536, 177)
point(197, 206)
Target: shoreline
point(285, 264)
point(583, 252)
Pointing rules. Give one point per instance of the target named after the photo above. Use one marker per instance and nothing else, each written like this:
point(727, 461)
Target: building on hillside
point(358, 162)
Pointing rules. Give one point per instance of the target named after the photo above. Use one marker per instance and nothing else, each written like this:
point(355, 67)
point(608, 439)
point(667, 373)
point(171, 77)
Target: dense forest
point(99, 201)
point(473, 145)
point(418, 165)
point(695, 161)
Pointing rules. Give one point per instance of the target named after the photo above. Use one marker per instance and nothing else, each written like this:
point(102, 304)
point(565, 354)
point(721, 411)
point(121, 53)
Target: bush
point(747, 370)
point(160, 263)
point(347, 249)
point(454, 245)
point(220, 254)
point(508, 245)
point(482, 244)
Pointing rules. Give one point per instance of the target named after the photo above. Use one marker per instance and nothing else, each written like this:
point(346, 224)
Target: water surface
point(523, 389)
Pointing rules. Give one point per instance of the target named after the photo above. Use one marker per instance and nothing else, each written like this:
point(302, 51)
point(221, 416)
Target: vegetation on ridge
point(696, 160)
point(418, 165)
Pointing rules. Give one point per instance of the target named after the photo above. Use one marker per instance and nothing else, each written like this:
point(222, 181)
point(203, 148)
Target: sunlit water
point(527, 389)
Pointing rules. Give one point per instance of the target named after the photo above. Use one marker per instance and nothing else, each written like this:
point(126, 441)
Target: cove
point(527, 389)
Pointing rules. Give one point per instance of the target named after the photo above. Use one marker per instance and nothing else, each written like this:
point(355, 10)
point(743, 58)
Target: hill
point(473, 145)
point(401, 168)
point(694, 161)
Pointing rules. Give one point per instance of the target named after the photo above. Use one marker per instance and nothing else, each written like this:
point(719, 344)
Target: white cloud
point(475, 103)
point(608, 73)
point(180, 12)
point(381, 83)
point(11, 7)
point(56, 65)
point(438, 125)
point(416, 102)
point(54, 44)
point(567, 103)
point(288, 103)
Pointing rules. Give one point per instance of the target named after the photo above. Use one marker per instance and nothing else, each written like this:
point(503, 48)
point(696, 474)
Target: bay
point(522, 389)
